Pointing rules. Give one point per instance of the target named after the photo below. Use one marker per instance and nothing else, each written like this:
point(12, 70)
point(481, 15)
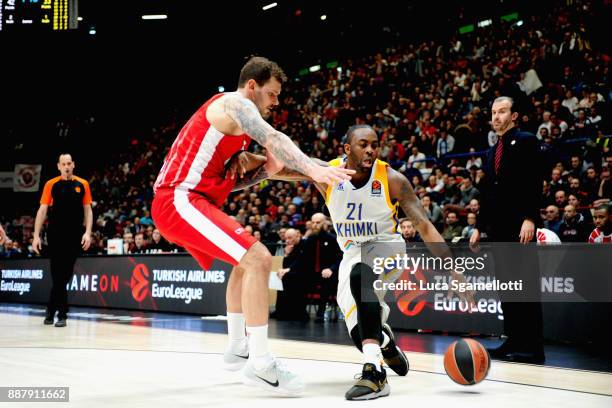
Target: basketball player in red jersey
point(192, 185)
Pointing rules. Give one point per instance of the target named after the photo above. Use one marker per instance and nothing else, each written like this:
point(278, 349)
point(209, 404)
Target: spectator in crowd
point(433, 211)
point(474, 206)
point(434, 187)
point(452, 193)
point(577, 169)
point(468, 191)
point(575, 189)
point(452, 228)
point(546, 124)
point(594, 117)
point(582, 126)
point(603, 190)
point(473, 160)
point(140, 246)
point(573, 228)
point(146, 219)
point(591, 184)
point(158, 243)
point(556, 181)
point(561, 113)
point(551, 219)
point(560, 199)
point(570, 101)
point(576, 202)
point(396, 154)
point(417, 159)
point(11, 249)
point(409, 233)
point(445, 145)
point(128, 243)
point(468, 230)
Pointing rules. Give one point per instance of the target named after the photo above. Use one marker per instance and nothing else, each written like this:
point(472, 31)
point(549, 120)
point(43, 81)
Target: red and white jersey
point(598, 237)
point(545, 236)
point(196, 161)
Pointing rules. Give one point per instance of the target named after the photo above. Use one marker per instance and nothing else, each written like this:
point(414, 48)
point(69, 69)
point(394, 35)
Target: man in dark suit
point(291, 301)
point(510, 207)
point(322, 258)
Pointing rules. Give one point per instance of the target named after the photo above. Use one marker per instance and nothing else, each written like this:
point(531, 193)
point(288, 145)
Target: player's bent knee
point(257, 257)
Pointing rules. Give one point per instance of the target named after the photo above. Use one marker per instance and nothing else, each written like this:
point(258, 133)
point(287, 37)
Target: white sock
point(385, 340)
point(372, 354)
point(236, 332)
point(259, 353)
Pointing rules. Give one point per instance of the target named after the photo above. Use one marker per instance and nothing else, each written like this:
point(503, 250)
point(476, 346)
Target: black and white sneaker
point(371, 384)
point(276, 378)
point(393, 356)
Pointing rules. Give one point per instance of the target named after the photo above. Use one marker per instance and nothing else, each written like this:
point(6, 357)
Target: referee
point(68, 232)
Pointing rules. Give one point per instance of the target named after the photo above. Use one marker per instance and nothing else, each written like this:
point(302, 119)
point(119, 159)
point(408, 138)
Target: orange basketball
point(467, 362)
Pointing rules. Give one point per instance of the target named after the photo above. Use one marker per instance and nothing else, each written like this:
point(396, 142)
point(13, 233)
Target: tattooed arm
point(244, 113)
point(253, 177)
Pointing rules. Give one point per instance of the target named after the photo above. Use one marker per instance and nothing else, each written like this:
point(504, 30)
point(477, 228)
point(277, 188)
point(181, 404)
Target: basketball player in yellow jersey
point(363, 210)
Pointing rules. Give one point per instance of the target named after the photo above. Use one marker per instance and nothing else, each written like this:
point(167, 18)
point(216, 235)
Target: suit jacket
point(515, 193)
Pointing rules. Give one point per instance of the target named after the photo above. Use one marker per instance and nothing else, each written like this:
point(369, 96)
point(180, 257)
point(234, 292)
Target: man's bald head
point(292, 236)
point(569, 211)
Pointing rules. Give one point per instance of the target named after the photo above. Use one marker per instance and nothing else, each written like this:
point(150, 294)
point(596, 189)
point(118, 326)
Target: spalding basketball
point(467, 362)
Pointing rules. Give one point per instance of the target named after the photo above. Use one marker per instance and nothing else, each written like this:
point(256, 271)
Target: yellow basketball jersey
point(362, 214)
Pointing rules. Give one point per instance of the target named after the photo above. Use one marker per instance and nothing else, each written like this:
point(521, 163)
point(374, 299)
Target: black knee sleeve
point(368, 306)
point(356, 337)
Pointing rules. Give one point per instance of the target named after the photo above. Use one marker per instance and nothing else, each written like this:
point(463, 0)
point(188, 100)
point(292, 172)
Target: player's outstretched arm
point(245, 114)
point(261, 173)
point(401, 190)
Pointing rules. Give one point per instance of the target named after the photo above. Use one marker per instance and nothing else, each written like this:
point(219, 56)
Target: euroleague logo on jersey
point(77, 189)
point(140, 282)
point(376, 188)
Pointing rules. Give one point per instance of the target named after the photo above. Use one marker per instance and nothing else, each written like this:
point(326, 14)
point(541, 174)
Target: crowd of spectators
point(430, 104)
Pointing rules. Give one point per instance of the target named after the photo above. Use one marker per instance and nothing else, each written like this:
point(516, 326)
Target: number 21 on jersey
point(352, 207)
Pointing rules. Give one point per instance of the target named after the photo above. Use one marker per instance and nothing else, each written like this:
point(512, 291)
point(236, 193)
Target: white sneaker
point(275, 378)
point(233, 361)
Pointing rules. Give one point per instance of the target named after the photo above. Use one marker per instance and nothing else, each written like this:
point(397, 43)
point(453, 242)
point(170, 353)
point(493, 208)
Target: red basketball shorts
point(191, 221)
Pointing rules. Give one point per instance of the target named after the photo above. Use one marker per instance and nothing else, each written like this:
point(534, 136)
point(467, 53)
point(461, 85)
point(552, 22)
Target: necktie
point(318, 257)
point(498, 155)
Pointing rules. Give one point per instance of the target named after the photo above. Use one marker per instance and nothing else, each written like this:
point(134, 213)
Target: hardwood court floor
point(141, 365)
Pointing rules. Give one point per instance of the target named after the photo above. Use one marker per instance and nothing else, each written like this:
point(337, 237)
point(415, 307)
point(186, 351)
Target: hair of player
point(261, 70)
point(348, 138)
